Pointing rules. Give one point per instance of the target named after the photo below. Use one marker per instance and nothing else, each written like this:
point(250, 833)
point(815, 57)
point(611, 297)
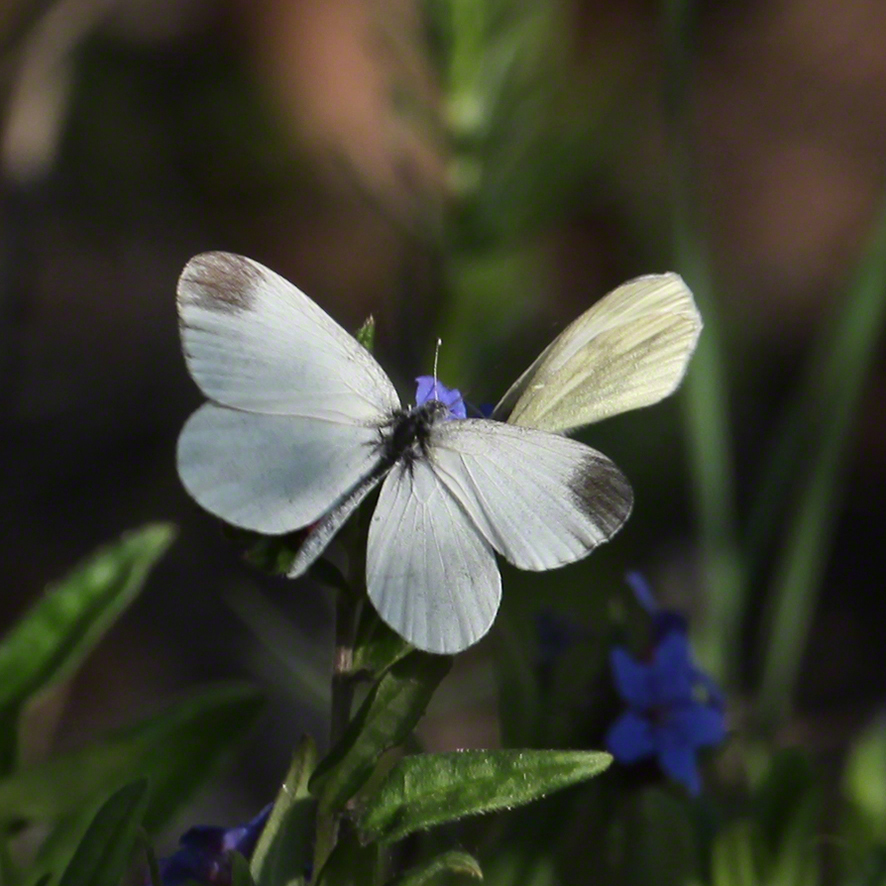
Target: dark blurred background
point(307, 134)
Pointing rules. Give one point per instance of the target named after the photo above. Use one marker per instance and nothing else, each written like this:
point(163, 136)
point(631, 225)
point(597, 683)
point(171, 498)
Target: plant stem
point(346, 614)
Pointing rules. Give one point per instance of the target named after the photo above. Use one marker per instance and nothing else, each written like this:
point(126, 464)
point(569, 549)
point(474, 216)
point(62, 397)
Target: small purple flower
point(430, 389)
point(204, 852)
point(674, 709)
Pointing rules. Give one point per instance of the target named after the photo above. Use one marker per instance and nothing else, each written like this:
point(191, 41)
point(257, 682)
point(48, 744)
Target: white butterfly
point(303, 423)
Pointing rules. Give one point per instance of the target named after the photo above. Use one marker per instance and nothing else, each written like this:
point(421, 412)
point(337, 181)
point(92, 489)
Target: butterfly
point(302, 423)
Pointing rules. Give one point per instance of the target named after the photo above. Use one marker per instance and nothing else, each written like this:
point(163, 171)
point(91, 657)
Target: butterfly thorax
point(407, 435)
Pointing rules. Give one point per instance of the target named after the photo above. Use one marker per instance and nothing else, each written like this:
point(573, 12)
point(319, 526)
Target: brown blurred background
point(136, 133)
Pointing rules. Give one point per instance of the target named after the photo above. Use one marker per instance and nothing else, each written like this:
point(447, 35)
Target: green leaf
point(377, 647)
point(176, 750)
point(735, 855)
point(103, 855)
point(430, 789)
point(825, 416)
point(50, 642)
point(240, 875)
point(441, 869)
point(284, 850)
point(865, 773)
point(789, 783)
point(350, 864)
point(366, 333)
point(385, 719)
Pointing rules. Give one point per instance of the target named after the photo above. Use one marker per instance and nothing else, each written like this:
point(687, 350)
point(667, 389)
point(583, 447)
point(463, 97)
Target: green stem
point(348, 605)
point(832, 397)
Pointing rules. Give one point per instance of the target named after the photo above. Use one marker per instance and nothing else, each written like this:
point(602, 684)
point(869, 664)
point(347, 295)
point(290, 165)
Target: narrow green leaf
point(49, 643)
point(240, 875)
point(176, 750)
point(829, 410)
point(441, 869)
point(385, 719)
point(735, 855)
point(284, 850)
point(430, 789)
point(103, 855)
point(705, 393)
point(151, 857)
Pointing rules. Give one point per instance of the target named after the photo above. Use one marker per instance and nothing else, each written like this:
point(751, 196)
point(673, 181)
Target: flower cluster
point(674, 709)
point(204, 853)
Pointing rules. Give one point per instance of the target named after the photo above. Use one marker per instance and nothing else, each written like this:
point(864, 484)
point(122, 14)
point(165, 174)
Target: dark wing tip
point(601, 490)
point(220, 281)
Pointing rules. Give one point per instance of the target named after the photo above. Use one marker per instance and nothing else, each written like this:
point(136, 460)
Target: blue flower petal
point(425, 387)
point(244, 838)
point(630, 738)
point(672, 671)
point(203, 852)
point(430, 388)
point(699, 726)
point(677, 760)
point(642, 591)
point(632, 679)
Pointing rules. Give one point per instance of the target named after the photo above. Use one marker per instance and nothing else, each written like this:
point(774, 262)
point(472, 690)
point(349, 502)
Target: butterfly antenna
point(436, 359)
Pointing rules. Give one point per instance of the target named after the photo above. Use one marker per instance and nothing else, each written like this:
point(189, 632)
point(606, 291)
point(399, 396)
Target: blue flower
point(674, 709)
point(204, 852)
point(431, 389)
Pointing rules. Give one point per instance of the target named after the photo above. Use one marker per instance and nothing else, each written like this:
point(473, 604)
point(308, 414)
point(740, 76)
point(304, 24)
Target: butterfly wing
point(255, 342)
point(630, 349)
point(298, 402)
point(430, 574)
point(271, 473)
point(540, 499)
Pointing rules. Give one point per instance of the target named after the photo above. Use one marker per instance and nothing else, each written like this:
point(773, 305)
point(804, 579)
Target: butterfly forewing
point(541, 500)
point(430, 575)
point(253, 341)
point(629, 350)
point(271, 473)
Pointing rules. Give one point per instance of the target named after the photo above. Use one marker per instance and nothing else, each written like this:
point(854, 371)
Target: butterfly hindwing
point(430, 575)
point(271, 473)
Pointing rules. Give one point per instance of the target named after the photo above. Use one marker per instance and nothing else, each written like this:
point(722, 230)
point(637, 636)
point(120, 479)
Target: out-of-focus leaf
point(826, 413)
point(176, 750)
point(873, 872)
point(735, 855)
point(429, 789)
point(49, 643)
point(284, 850)
point(240, 875)
point(385, 719)
point(797, 861)
point(350, 864)
point(103, 855)
point(789, 782)
point(442, 868)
